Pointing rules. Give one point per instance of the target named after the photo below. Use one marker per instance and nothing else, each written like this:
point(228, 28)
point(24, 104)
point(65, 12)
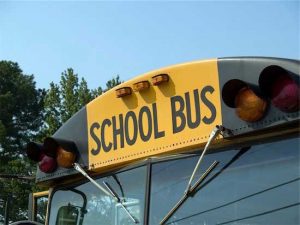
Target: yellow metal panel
point(159, 120)
point(39, 194)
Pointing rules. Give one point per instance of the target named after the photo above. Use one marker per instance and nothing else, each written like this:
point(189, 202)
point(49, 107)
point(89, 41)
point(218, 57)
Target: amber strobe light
point(160, 79)
point(278, 85)
point(141, 86)
point(249, 106)
point(122, 92)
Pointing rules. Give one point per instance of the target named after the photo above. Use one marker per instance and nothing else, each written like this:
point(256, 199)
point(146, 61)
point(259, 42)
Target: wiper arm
point(80, 170)
point(110, 193)
point(215, 132)
point(118, 199)
point(190, 189)
point(186, 195)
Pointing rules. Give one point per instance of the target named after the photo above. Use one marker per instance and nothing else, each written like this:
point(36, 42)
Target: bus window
point(100, 208)
point(39, 208)
point(235, 190)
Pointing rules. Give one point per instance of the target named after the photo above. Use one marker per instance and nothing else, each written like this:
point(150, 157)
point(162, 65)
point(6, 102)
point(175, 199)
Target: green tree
point(69, 94)
point(66, 98)
point(113, 82)
point(52, 110)
point(21, 106)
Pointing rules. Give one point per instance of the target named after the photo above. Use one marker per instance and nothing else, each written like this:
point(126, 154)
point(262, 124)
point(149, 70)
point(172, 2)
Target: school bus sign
point(159, 119)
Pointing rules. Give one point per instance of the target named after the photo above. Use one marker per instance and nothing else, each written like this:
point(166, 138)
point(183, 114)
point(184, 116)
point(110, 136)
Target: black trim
point(147, 193)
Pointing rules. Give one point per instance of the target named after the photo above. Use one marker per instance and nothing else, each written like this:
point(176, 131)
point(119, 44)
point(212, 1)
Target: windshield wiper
point(191, 189)
point(118, 199)
point(110, 193)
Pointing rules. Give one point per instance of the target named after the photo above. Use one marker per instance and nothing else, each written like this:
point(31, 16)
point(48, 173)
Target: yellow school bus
point(205, 142)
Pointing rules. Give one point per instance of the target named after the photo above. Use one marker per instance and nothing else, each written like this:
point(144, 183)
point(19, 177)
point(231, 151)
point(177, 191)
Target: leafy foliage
point(21, 106)
point(30, 114)
point(66, 98)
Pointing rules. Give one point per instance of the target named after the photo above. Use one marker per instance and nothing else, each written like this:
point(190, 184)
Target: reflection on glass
point(259, 186)
point(41, 209)
point(102, 209)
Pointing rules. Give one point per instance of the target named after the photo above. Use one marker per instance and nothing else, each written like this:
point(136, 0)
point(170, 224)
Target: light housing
point(160, 79)
point(34, 151)
point(245, 98)
point(52, 153)
point(141, 86)
point(279, 85)
point(122, 92)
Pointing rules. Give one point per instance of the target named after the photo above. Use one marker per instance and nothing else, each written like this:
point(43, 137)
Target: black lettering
point(177, 113)
point(95, 151)
point(129, 140)
point(105, 147)
point(157, 134)
point(145, 110)
point(118, 131)
point(209, 104)
point(190, 123)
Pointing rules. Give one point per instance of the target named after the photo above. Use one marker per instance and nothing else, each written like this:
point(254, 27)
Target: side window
point(95, 207)
point(257, 186)
point(41, 203)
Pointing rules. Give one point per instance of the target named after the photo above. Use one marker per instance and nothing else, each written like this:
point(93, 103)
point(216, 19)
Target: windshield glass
point(98, 208)
point(255, 186)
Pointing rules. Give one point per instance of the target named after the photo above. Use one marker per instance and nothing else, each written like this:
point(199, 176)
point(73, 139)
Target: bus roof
point(170, 110)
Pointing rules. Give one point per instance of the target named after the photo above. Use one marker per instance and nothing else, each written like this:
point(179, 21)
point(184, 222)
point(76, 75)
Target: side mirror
point(67, 215)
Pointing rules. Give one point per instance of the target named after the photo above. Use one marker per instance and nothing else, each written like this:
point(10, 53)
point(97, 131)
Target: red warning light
point(47, 164)
point(285, 94)
point(281, 88)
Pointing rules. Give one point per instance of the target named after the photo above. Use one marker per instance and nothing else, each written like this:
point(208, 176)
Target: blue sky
point(102, 39)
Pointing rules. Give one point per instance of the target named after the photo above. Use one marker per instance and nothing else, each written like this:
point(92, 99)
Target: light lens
point(47, 164)
point(160, 79)
point(141, 86)
point(285, 94)
point(65, 158)
point(282, 87)
point(122, 92)
point(249, 106)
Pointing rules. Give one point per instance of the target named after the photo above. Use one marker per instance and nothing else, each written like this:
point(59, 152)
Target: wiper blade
point(189, 190)
point(118, 199)
point(189, 193)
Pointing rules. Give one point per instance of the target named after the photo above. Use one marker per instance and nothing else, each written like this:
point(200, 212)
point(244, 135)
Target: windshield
point(100, 208)
point(257, 186)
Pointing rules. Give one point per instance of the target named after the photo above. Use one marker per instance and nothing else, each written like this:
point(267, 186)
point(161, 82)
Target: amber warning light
point(249, 105)
point(52, 153)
